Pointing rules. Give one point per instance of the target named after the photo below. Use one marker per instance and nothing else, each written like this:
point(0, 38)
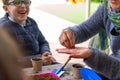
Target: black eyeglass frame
point(19, 3)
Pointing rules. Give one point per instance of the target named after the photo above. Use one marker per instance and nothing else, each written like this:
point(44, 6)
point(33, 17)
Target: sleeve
point(43, 43)
point(93, 25)
point(104, 64)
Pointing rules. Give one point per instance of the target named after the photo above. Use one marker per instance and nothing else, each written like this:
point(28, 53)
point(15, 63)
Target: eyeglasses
point(19, 3)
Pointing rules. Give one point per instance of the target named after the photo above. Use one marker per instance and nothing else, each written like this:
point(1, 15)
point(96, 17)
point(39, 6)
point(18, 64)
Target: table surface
point(67, 75)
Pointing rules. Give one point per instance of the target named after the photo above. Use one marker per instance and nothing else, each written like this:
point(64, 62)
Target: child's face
point(18, 10)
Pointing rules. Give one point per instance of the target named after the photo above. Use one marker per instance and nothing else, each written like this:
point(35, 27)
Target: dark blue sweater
point(29, 37)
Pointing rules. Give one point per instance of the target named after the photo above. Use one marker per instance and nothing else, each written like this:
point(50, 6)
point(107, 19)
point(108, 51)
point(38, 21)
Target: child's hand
point(47, 58)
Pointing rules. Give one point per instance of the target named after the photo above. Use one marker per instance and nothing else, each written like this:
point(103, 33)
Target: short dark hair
point(5, 1)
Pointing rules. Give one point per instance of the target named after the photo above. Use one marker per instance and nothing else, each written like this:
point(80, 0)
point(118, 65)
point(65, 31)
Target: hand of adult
point(67, 38)
point(78, 52)
point(47, 58)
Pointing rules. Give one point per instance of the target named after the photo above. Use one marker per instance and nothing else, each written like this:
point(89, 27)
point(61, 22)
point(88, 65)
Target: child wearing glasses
point(25, 31)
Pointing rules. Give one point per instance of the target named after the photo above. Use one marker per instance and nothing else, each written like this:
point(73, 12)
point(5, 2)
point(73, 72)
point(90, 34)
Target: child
point(25, 31)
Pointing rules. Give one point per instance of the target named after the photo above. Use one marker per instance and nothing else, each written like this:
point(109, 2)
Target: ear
point(5, 7)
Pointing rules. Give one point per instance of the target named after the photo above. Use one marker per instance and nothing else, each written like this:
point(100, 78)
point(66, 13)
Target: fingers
point(53, 59)
point(78, 52)
point(67, 38)
point(48, 58)
point(70, 38)
point(65, 51)
point(71, 52)
point(64, 40)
